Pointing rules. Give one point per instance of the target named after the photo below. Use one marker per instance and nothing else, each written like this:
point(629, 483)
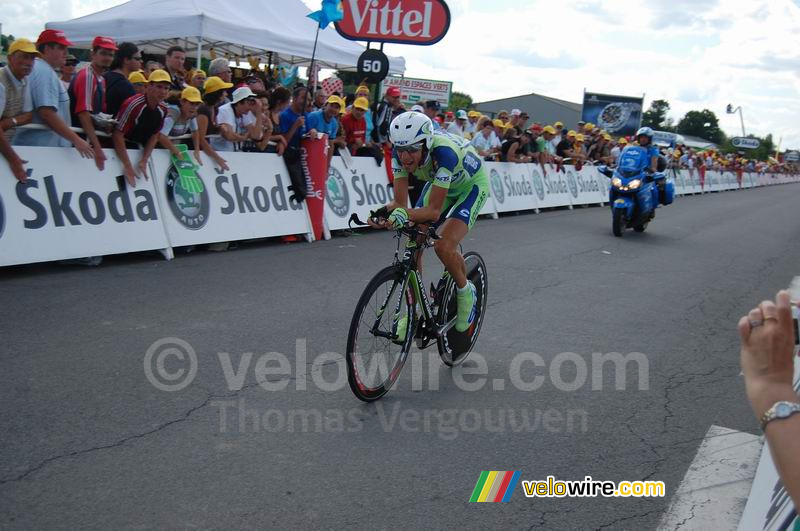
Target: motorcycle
point(635, 195)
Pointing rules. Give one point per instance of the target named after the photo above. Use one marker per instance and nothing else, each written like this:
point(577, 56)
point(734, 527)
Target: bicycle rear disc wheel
point(454, 346)
point(374, 357)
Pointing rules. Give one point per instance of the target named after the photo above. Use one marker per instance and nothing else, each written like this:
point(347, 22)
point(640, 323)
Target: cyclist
point(456, 187)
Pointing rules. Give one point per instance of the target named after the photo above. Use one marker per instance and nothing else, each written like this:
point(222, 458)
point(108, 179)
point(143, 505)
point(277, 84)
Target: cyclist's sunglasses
point(411, 148)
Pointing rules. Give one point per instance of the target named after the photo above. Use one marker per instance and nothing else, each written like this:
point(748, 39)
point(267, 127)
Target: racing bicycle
point(394, 311)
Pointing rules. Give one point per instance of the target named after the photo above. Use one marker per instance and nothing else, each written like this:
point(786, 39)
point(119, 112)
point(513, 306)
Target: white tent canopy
point(239, 29)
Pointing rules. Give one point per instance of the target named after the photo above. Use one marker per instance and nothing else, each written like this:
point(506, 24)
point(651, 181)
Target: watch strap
point(772, 413)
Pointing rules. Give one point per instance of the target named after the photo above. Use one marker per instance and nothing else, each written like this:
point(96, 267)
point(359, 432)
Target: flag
point(331, 11)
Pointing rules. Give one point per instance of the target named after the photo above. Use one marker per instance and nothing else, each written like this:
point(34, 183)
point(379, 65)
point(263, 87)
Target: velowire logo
point(497, 186)
point(188, 199)
point(337, 196)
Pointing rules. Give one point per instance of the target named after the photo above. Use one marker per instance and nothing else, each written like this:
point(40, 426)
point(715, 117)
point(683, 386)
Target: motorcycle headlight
point(634, 184)
point(616, 182)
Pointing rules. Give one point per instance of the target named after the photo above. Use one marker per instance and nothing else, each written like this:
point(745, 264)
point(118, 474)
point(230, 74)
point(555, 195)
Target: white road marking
point(714, 491)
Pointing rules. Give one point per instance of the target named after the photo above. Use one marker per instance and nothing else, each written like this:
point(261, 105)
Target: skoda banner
point(511, 186)
point(357, 190)
point(618, 115)
point(69, 209)
point(249, 201)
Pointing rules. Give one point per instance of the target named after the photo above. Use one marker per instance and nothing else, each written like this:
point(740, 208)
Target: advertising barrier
point(359, 189)
point(249, 201)
point(69, 209)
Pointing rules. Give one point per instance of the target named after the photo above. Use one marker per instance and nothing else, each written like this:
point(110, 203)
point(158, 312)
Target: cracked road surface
point(89, 442)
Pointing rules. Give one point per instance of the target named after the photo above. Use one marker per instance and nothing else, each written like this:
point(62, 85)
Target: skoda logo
point(573, 184)
point(337, 196)
point(497, 186)
point(188, 199)
point(2, 217)
point(538, 184)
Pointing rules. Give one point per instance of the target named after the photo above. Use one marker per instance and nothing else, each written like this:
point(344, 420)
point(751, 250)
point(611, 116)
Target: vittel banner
point(70, 209)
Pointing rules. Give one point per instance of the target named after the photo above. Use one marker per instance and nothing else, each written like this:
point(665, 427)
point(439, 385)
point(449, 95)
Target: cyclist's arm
point(430, 212)
point(400, 192)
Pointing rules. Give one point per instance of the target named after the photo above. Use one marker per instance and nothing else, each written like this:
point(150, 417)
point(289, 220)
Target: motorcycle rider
point(643, 157)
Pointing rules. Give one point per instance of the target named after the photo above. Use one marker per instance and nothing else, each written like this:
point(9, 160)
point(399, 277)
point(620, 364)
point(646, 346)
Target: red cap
point(104, 42)
point(394, 92)
point(53, 36)
point(449, 114)
point(536, 127)
point(438, 119)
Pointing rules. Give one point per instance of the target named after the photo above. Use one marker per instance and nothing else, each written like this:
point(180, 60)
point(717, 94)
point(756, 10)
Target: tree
point(656, 116)
point(694, 124)
point(5, 42)
point(459, 100)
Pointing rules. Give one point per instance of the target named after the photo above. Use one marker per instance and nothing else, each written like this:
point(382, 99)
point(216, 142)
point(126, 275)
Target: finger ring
point(754, 323)
point(770, 319)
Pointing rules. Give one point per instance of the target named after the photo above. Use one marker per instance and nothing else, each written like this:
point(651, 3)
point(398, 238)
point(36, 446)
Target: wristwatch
point(780, 410)
point(14, 122)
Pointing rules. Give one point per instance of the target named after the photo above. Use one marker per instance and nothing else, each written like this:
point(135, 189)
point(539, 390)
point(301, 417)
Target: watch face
point(782, 410)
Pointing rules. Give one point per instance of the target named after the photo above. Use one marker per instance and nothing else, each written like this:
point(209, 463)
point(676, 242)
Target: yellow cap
point(199, 72)
point(579, 138)
point(623, 141)
point(191, 94)
point(473, 114)
point(498, 122)
point(362, 88)
point(549, 129)
point(22, 45)
point(606, 137)
point(137, 77)
point(159, 76)
point(558, 124)
point(335, 99)
point(589, 126)
point(572, 133)
point(214, 83)
point(361, 103)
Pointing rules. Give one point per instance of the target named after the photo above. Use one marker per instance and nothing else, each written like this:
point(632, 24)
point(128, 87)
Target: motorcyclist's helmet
point(645, 131)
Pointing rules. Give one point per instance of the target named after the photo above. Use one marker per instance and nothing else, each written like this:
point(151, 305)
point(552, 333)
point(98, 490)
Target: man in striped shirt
point(87, 94)
point(139, 121)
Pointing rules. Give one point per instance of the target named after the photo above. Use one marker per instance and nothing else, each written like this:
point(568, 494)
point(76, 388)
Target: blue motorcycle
point(634, 196)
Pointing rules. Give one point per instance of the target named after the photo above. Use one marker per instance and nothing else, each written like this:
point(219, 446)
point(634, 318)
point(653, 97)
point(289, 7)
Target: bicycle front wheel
point(380, 334)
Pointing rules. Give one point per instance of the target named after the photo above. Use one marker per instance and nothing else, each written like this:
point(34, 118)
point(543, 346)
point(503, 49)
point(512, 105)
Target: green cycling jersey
point(452, 164)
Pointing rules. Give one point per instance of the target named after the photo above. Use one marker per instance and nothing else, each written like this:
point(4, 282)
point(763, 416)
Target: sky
point(697, 54)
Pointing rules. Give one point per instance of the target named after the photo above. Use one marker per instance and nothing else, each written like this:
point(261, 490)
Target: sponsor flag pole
point(332, 11)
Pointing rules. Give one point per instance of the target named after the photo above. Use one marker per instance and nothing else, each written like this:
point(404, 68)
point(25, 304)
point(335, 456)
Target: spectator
point(473, 119)
point(384, 114)
point(50, 101)
point(503, 116)
point(559, 127)
point(138, 82)
point(255, 83)
point(432, 107)
point(578, 148)
point(545, 148)
point(139, 121)
point(220, 67)
point(68, 70)
point(459, 126)
point(197, 79)
point(238, 121)
point(119, 88)
point(325, 121)
point(181, 120)
point(599, 152)
point(486, 142)
point(355, 129)
point(320, 100)
point(293, 118)
point(616, 150)
point(363, 92)
point(271, 140)
point(152, 66)
point(514, 119)
point(523, 120)
point(513, 147)
point(279, 99)
point(16, 107)
point(767, 359)
point(214, 96)
point(87, 94)
point(566, 148)
point(176, 57)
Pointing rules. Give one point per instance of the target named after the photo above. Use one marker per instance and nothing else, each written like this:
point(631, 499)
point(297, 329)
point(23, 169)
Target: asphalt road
point(89, 442)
